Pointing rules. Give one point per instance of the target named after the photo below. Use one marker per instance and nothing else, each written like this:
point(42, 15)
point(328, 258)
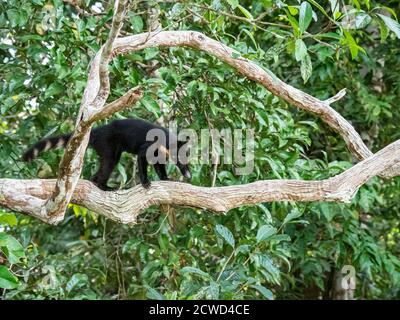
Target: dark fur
point(110, 141)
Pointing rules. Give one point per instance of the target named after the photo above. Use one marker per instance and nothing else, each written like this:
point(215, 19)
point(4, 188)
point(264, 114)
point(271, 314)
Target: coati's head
point(180, 156)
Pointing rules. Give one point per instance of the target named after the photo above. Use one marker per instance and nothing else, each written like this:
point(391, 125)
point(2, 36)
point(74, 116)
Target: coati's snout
point(184, 168)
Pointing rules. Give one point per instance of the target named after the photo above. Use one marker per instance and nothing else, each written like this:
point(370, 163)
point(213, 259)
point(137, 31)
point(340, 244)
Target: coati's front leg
point(142, 165)
point(107, 164)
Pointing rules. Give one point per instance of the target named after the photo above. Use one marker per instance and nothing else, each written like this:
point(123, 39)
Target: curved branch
point(93, 102)
point(125, 205)
point(255, 72)
point(106, 50)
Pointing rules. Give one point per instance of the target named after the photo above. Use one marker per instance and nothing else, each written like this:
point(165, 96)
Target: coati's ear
point(163, 150)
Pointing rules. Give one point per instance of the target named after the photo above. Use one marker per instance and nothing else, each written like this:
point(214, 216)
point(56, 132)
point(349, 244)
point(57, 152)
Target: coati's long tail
point(44, 145)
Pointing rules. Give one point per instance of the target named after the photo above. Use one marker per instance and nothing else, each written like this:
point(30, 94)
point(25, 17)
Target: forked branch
point(48, 199)
point(125, 205)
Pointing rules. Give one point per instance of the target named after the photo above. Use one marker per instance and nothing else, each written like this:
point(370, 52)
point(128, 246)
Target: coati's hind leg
point(108, 162)
point(142, 165)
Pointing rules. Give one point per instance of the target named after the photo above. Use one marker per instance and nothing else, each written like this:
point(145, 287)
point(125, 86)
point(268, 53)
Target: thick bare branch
point(127, 100)
point(124, 206)
point(106, 51)
point(336, 97)
point(70, 167)
point(92, 103)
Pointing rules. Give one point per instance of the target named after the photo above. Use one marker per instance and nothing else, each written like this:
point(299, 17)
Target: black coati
point(111, 140)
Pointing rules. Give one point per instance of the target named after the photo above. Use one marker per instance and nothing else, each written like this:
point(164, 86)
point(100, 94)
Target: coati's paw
point(146, 184)
point(102, 186)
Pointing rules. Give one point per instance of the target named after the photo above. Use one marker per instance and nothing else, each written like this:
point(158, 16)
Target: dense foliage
point(273, 250)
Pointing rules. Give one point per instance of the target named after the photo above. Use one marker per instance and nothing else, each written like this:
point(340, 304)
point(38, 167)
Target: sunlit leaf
point(393, 25)
point(265, 232)
point(264, 291)
point(225, 233)
point(306, 68)
point(195, 271)
point(300, 50)
point(7, 279)
point(305, 16)
point(11, 247)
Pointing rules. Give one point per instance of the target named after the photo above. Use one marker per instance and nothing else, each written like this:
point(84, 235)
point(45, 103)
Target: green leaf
point(78, 280)
point(137, 24)
point(191, 88)
point(195, 271)
point(320, 8)
point(294, 23)
point(384, 30)
point(265, 232)
point(293, 10)
point(295, 213)
point(306, 68)
point(245, 12)
point(151, 105)
point(300, 50)
point(122, 172)
point(264, 291)
point(235, 55)
point(305, 16)
point(391, 24)
point(213, 290)
point(233, 3)
point(260, 118)
point(269, 266)
point(244, 248)
point(352, 44)
point(12, 248)
point(362, 20)
point(335, 7)
point(267, 213)
point(13, 17)
point(7, 218)
point(130, 245)
point(328, 211)
point(153, 294)
point(391, 11)
point(7, 279)
point(250, 35)
point(150, 53)
point(54, 89)
point(225, 234)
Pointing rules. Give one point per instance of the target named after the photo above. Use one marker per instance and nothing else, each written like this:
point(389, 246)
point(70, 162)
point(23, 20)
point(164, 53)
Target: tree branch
point(218, 199)
point(124, 206)
point(127, 100)
point(93, 100)
point(262, 76)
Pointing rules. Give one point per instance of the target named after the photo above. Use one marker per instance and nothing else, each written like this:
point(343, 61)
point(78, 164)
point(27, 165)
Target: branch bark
point(125, 205)
point(93, 100)
point(255, 72)
point(36, 197)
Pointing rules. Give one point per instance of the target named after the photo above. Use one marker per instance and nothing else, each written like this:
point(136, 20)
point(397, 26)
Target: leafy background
point(268, 251)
